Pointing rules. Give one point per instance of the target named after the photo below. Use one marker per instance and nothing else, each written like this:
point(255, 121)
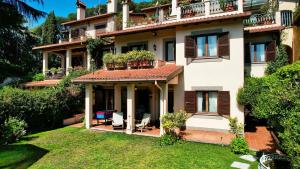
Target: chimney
point(80, 10)
point(125, 13)
point(112, 6)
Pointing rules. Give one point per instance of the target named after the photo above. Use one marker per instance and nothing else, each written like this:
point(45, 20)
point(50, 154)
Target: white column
point(125, 14)
point(174, 7)
point(88, 60)
point(88, 105)
point(130, 109)
point(70, 35)
point(278, 18)
point(68, 60)
point(161, 15)
point(240, 5)
point(45, 62)
point(207, 7)
point(163, 103)
point(178, 9)
point(117, 98)
point(112, 6)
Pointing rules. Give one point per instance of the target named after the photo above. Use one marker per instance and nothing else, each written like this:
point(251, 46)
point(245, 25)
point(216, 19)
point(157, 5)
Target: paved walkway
point(261, 139)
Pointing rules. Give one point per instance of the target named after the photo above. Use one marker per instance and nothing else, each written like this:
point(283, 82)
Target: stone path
point(241, 165)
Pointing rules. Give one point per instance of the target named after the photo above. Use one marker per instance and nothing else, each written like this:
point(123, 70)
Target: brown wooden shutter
point(224, 103)
point(190, 101)
point(223, 45)
point(190, 47)
point(247, 53)
point(124, 49)
point(270, 51)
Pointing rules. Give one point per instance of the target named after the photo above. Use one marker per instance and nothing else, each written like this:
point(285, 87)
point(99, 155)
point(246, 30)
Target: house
point(204, 52)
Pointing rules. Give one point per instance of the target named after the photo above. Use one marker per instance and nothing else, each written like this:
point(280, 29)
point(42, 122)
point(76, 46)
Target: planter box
point(73, 120)
point(133, 64)
point(146, 63)
point(110, 66)
point(120, 66)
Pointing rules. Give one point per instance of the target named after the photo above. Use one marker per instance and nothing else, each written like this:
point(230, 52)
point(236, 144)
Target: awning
point(163, 73)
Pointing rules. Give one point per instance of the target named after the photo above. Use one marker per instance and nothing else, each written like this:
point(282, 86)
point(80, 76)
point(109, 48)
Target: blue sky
point(61, 7)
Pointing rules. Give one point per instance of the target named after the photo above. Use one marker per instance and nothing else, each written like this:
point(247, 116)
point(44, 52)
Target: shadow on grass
point(20, 156)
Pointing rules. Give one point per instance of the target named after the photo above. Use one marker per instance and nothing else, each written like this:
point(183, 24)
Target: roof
point(163, 73)
point(266, 28)
point(88, 19)
point(43, 83)
point(167, 25)
point(60, 45)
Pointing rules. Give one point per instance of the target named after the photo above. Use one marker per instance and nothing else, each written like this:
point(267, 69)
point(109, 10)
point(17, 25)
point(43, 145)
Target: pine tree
point(50, 30)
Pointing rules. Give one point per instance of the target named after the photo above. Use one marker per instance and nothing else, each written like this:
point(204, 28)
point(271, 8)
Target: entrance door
point(142, 102)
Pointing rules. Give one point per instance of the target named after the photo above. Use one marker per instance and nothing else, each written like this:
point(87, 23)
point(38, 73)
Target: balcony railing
point(195, 9)
point(286, 17)
point(213, 6)
point(260, 19)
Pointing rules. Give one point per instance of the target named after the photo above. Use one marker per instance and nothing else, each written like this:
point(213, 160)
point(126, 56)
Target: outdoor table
point(104, 114)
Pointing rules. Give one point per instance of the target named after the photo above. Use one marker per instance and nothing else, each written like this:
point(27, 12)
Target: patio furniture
point(145, 122)
point(100, 115)
point(117, 120)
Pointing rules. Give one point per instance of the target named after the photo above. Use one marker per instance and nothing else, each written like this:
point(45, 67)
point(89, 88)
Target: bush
point(236, 127)
point(12, 130)
point(171, 121)
point(130, 56)
point(280, 60)
point(168, 139)
point(239, 145)
point(38, 77)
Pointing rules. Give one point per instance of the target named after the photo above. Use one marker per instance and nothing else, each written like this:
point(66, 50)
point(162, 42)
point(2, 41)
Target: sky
point(62, 7)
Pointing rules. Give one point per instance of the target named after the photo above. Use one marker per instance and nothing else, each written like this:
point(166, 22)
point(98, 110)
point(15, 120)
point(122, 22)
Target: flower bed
point(133, 60)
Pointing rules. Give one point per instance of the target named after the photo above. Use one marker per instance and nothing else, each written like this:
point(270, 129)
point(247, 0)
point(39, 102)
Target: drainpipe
point(163, 107)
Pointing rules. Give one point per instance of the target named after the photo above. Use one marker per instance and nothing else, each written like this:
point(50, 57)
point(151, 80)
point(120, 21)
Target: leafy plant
point(38, 77)
point(108, 58)
point(239, 145)
point(145, 55)
point(236, 128)
point(171, 121)
point(12, 130)
point(280, 60)
point(168, 139)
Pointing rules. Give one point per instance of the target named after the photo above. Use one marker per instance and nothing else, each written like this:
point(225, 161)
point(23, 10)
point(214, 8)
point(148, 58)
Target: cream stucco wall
point(223, 74)
point(287, 5)
point(256, 70)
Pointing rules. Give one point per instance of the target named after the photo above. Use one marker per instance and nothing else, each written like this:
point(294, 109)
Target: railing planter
point(133, 64)
point(120, 66)
point(110, 66)
point(146, 63)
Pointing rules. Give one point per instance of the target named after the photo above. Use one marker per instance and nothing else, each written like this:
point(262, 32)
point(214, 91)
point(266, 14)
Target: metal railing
point(286, 17)
point(259, 19)
point(220, 7)
point(195, 9)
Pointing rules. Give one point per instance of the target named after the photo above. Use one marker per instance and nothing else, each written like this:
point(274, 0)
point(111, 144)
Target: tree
point(24, 9)
point(50, 30)
point(280, 60)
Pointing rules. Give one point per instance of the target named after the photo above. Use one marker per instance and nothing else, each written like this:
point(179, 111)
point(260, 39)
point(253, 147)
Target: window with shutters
point(207, 46)
point(207, 101)
point(258, 53)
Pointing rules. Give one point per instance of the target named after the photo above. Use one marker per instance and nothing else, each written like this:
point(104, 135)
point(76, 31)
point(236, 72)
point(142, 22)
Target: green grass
point(79, 148)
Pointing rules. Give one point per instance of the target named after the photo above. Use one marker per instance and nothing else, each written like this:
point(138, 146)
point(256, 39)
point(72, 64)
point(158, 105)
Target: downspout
point(161, 91)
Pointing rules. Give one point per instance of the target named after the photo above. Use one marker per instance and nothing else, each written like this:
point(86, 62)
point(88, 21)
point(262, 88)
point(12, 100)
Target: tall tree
point(50, 30)
point(24, 9)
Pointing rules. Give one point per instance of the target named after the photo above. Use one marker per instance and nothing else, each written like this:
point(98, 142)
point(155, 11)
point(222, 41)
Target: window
point(207, 46)
point(257, 52)
point(170, 50)
point(100, 26)
point(207, 101)
point(141, 46)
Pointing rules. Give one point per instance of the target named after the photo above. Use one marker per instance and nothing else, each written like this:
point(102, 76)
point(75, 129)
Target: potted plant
point(174, 122)
point(146, 58)
point(108, 60)
point(120, 61)
point(132, 58)
point(226, 5)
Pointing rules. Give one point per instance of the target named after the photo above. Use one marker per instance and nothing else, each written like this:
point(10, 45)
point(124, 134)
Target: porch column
point(117, 98)
point(45, 62)
point(240, 5)
point(130, 109)
point(88, 60)
point(88, 105)
point(207, 7)
point(163, 103)
point(125, 13)
point(68, 60)
point(84, 60)
point(174, 7)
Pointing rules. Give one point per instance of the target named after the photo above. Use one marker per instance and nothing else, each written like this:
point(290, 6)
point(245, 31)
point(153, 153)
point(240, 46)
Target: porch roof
point(267, 28)
point(61, 46)
point(43, 83)
point(163, 73)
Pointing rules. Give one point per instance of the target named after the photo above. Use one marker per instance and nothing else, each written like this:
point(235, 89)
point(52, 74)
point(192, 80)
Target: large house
point(204, 51)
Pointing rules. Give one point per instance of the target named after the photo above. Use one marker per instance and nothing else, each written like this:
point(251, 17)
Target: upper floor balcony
point(74, 35)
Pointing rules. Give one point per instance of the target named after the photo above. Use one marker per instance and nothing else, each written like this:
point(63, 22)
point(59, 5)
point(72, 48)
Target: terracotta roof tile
point(41, 83)
point(63, 44)
point(164, 73)
point(175, 23)
point(266, 28)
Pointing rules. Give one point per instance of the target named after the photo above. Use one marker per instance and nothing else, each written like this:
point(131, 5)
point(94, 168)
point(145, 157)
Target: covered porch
point(135, 94)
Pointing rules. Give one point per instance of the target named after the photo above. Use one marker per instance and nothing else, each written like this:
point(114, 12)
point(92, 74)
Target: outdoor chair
point(145, 122)
point(117, 121)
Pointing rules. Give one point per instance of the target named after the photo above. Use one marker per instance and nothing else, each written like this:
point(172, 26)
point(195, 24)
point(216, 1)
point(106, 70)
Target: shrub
point(168, 139)
point(108, 58)
point(235, 127)
point(280, 60)
point(12, 130)
point(38, 77)
point(146, 55)
point(239, 145)
point(171, 121)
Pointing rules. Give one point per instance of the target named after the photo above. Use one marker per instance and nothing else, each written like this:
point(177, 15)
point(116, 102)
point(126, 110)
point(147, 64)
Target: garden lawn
point(80, 148)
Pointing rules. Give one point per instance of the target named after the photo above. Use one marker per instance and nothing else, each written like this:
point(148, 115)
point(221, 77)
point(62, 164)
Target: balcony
point(207, 8)
point(73, 35)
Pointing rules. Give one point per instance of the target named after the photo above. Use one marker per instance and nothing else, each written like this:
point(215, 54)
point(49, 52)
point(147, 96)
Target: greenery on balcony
point(132, 59)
